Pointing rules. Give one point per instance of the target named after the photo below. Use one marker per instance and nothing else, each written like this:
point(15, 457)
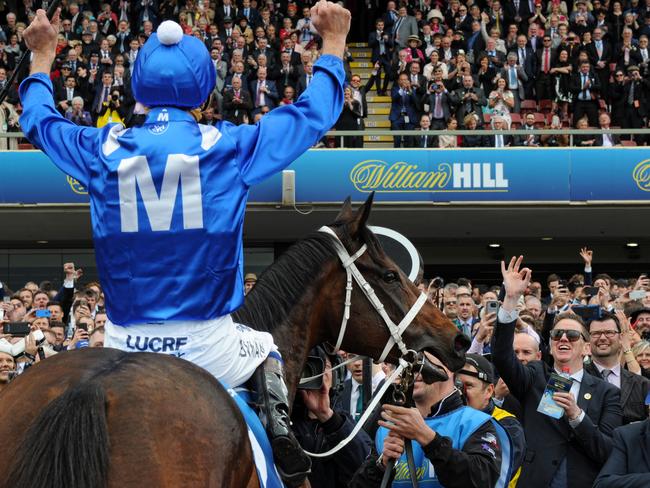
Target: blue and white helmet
point(173, 70)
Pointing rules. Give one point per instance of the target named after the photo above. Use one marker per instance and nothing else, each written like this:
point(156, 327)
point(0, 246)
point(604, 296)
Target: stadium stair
point(378, 107)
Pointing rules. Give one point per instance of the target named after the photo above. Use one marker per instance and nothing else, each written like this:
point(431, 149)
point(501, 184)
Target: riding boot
point(272, 398)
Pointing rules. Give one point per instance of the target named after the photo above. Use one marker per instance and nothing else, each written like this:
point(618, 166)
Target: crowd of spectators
point(462, 64)
point(594, 326)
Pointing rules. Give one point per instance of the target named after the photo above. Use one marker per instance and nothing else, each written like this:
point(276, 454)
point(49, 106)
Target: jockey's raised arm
point(171, 265)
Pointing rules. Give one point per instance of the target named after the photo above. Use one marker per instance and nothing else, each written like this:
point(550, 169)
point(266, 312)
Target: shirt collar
point(616, 370)
point(171, 114)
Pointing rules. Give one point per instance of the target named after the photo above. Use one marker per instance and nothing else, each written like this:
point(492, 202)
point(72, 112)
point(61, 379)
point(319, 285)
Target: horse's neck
point(307, 325)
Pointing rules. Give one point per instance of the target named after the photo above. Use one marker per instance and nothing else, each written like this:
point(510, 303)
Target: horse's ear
point(345, 215)
point(361, 217)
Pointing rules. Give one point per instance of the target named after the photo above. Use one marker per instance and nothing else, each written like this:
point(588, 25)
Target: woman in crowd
point(641, 352)
point(474, 140)
point(77, 114)
point(586, 140)
point(501, 100)
point(446, 141)
point(485, 74)
point(555, 140)
point(561, 71)
point(350, 119)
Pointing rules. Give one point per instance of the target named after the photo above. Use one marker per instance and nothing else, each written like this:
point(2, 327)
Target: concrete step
point(378, 111)
point(379, 105)
point(377, 145)
point(377, 117)
point(377, 124)
point(377, 139)
point(361, 54)
point(358, 44)
point(377, 99)
point(361, 64)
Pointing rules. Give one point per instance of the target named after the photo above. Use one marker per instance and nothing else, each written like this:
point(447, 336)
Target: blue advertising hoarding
point(460, 175)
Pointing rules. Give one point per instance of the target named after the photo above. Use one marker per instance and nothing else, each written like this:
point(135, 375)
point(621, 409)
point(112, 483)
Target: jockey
point(168, 200)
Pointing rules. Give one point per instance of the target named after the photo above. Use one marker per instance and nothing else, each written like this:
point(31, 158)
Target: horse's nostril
point(461, 344)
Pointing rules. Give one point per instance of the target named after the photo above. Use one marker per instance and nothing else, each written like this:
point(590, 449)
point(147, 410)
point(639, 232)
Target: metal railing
point(487, 132)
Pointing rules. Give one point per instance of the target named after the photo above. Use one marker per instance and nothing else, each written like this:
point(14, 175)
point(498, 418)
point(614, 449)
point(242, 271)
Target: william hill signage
point(382, 177)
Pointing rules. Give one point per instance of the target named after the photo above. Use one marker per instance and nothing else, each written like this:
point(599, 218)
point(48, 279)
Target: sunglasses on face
point(572, 335)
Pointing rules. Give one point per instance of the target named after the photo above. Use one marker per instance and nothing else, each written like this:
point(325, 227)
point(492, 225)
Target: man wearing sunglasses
point(565, 452)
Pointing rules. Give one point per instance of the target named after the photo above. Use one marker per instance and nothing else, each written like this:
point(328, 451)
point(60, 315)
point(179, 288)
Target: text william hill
point(380, 176)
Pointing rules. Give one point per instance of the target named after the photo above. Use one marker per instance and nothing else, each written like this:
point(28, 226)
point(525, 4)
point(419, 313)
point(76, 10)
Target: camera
point(115, 97)
point(17, 329)
point(313, 367)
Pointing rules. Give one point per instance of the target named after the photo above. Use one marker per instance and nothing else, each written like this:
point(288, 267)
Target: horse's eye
point(390, 277)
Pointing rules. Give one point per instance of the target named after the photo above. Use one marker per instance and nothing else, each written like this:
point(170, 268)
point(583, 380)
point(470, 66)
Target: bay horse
point(103, 418)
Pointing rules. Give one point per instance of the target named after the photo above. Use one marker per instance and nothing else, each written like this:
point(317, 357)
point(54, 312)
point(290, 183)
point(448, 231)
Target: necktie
point(424, 141)
point(599, 48)
point(547, 60)
point(308, 79)
point(605, 374)
point(513, 78)
point(522, 56)
point(630, 97)
point(499, 140)
point(106, 90)
point(246, 12)
point(437, 111)
point(359, 406)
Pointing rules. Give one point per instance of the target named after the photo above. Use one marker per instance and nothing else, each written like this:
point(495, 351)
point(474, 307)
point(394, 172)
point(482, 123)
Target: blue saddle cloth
point(262, 453)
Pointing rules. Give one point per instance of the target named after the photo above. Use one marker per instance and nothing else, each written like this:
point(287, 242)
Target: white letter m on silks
point(181, 169)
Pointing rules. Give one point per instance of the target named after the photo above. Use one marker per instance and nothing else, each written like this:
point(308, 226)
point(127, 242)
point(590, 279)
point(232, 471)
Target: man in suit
point(499, 140)
point(529, 140)
point(496, 58)
point(518, 11)
point(469, 99)
point(227, 10)
point(586, 87)
point(403, 109)
point(305, 79)
point(608, 342)
point(381, 44)
point(545, 59)
point(424, 141)
point(252, 15)
point(405, 26)
point(635, 99)
point(465, 320)
point(237, 103)
point(606, 140)
point(527, 59)
point(288, 71)
point(569, 451)
point(439, 101)
point(515, 77)
point(600, 55)
point(263, 91)
point(629, 464)
point(65, 94)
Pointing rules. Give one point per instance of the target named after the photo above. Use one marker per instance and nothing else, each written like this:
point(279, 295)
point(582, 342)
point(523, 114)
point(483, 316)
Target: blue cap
point(173, 70)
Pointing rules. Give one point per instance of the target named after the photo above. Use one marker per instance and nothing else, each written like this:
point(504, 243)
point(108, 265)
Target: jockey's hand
point(333, 24)
point(41, 35)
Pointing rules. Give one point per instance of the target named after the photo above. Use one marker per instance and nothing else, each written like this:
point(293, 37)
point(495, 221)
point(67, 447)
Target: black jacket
point(550, 441)
point(629, 464)
point(466, 468)
point(634, 389)
point(336, 470)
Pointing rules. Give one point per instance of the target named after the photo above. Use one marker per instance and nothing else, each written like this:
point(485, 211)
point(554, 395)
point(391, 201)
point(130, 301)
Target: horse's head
point(367, 332)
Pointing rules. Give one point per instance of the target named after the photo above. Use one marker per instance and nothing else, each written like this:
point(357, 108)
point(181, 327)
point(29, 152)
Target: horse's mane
point(283, 283)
